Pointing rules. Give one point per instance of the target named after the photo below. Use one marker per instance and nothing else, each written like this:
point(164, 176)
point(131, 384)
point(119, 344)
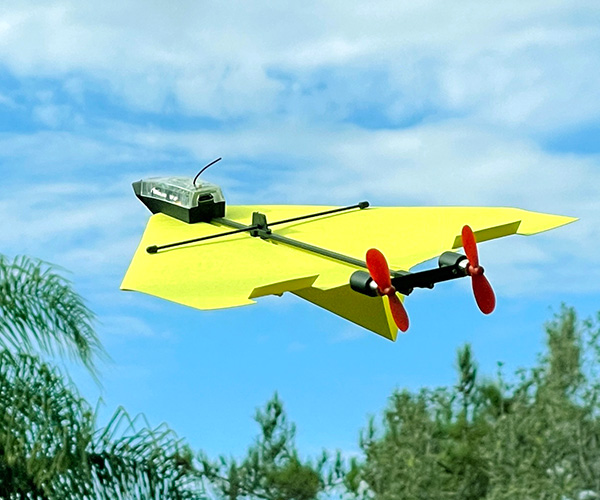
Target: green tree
point(272, 469)
point(535, 437)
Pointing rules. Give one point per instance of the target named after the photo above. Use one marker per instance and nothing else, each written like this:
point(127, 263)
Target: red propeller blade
point(484, 294)
point(398, 312)
point(380, 272)
point(470, 246)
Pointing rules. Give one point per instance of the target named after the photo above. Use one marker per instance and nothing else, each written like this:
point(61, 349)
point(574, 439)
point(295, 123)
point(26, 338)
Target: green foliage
point(272, 469)
point(537, 437)
point(44, 430)
point(39, 310)
point(138, 462)
point(49, 448)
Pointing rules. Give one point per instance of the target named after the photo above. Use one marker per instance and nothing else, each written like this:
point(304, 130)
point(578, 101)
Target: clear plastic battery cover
point(180, 190)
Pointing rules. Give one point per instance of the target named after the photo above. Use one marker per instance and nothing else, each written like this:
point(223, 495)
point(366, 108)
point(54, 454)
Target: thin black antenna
point(204, 168)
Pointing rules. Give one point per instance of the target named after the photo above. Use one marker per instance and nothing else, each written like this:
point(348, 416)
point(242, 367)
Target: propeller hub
point(474, 270)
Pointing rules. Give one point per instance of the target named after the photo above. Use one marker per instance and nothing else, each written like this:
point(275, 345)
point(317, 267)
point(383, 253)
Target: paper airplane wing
point(233, 270)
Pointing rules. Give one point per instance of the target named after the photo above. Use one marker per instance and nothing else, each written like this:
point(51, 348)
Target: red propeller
point(484, 295)
point(380, 272)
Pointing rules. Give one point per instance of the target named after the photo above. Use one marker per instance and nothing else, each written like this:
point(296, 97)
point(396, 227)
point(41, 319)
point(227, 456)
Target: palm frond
point(49, 448)
point(135, 461)
point(45, 430)
point(39, 309)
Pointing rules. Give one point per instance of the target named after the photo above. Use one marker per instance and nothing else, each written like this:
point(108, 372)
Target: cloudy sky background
point(413, 103)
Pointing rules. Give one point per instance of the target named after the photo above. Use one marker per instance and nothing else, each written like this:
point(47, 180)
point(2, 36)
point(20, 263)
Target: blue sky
point(413, 103)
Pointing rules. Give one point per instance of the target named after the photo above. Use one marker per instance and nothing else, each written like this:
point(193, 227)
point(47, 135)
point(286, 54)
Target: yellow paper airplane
point(198, 252)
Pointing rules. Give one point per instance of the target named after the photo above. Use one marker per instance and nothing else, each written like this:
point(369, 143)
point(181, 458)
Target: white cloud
point(7, 102)
point(54, 116)
point(90, 230)
point(58, 153)
point(522, 64)
point(449, 163)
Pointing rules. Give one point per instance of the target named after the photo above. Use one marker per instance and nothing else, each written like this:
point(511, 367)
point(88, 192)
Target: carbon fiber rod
point(241, 228)
point(267, 235)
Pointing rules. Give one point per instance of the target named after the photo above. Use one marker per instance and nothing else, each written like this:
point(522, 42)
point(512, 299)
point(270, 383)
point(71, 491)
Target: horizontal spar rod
point(241, 228)
point(361, 205)
point(156, 248)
